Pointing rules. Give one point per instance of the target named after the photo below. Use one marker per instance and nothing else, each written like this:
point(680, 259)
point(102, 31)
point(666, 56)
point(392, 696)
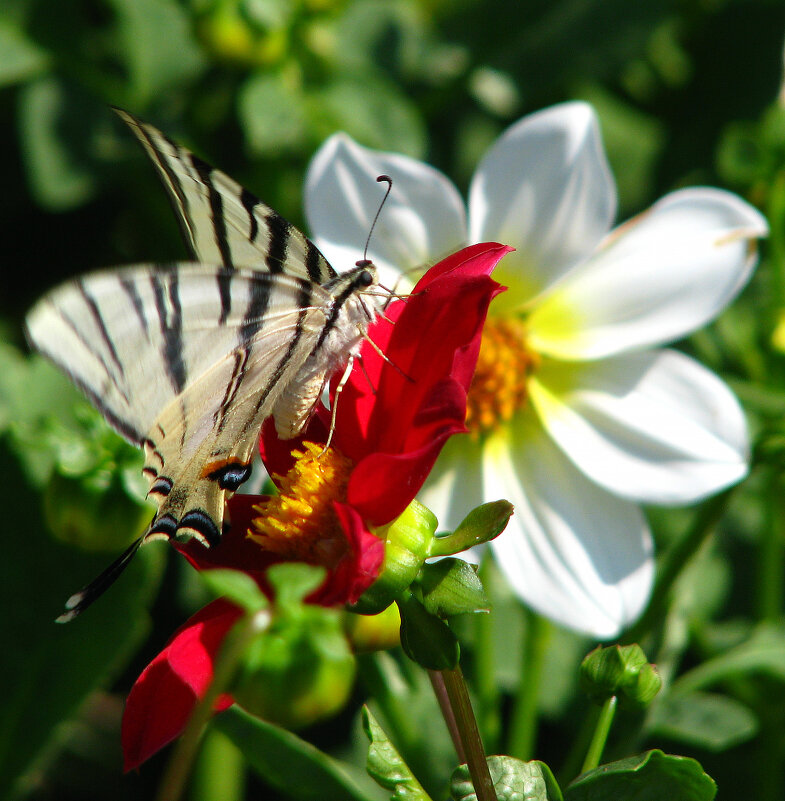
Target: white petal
point(656, 278)
point(655, 427)
point(546, 189)
point(423, 220)
point(571, 551)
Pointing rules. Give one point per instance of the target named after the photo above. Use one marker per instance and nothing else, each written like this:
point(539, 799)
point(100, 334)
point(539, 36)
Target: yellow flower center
point(499, 387)
point(300, 522)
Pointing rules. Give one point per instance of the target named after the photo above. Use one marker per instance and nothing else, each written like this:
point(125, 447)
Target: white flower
point(576, 415)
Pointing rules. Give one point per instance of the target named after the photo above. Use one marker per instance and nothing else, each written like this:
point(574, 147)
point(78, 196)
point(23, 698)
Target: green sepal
point(425, 638)
point(407, 546)
point(644, 777)
point(293, 581)
point(513, 780)
point(452, 587)
point(235, 586)
point(386, 766)
point(623, 671)
point(481, 525)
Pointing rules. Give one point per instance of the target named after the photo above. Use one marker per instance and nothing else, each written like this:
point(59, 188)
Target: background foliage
point(688, 92)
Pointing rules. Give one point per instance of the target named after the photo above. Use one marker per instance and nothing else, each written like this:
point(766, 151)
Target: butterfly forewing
point(223, 223)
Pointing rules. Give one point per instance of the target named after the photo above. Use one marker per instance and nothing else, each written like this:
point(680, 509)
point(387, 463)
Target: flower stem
point(463, 728)
point(770, 555)
point(219, 774)
point(179, 766)
point(597, 745)
point(488, 696)
point(523, 729)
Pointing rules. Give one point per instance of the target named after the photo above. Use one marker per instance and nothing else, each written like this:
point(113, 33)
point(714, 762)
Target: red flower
point(393, 417)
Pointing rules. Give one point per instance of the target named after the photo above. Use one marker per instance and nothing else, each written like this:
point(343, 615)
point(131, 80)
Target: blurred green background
point(688, 92)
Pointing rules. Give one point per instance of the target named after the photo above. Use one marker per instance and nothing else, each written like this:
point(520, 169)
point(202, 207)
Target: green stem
point(219, 774)
point(597, 745)
point(523, 728)
point(771, 553)
point(675, 560)
point(488, 695)
point(234, 646)
point(467, 732)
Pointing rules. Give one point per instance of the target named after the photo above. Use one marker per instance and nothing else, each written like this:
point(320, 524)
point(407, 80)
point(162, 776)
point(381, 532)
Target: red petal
point(352, 576)
point(163, 697)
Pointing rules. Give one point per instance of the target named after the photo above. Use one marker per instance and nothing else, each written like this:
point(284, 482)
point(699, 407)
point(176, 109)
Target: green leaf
point(292, 581)
point(426, 639)
point(763, 652)
point(160, 50)
point(653, 776)
point(480, 525)
point(235, 586)
point(703, 720)
point(386, 766)
point(372, 111)
point(57, 126)
point(21, 58)
point(272, 111)
point(52, 668)
point(290, 764)
point(513, 780)
point(452, 587)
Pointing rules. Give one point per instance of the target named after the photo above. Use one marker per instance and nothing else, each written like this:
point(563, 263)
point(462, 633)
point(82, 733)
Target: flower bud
point(299, 671)
point(407, 545)
point(620, 670)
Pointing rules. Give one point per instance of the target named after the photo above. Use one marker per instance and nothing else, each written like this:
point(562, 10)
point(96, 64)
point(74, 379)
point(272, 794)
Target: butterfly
point(188, 359)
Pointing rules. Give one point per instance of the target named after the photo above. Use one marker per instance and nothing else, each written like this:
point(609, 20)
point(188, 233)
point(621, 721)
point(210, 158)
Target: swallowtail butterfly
point(187, 360)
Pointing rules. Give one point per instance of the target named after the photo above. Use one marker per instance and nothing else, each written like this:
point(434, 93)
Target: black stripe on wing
point(165, 286)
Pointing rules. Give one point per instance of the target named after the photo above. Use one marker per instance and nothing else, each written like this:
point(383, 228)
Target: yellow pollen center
point(498, 388)
point(300, 522)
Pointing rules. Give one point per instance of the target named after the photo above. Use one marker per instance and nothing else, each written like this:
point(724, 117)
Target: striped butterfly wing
point(222, 222)
point(187, 360)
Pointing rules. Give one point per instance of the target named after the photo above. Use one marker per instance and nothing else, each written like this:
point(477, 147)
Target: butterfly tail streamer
point(79, 601)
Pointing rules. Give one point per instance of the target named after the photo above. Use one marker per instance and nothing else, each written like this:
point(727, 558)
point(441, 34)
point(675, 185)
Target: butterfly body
point(187, 360)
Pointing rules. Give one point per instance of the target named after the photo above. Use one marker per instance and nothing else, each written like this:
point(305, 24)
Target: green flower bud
point(374, 632)
point(299, 671)
point(620, 670)
point(407, 545)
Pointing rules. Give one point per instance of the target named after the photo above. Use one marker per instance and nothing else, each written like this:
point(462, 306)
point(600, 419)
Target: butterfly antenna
point(381, 179)
point(79, 601)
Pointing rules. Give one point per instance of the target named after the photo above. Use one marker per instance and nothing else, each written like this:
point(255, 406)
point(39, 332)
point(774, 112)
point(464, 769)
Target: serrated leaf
point(513, 780)
point(290, 764)
point(386, 766)
point(652, 776)
point(235, 586)
point(704, 720)
point(452, 587)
